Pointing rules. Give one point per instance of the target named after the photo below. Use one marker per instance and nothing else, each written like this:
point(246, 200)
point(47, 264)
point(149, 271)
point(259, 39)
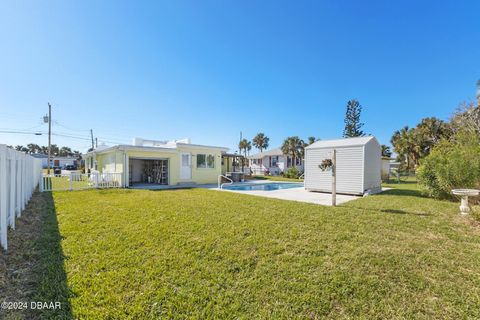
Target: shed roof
point(345, 142)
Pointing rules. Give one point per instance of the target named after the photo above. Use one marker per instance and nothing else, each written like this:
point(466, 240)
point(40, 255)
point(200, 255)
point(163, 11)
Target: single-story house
point(56, 161)
point(176, 162)
point(272, 161)
point(358, 165)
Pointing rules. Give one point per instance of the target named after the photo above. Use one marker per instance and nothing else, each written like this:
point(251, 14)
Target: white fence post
point(3, 196)
point(12, 189)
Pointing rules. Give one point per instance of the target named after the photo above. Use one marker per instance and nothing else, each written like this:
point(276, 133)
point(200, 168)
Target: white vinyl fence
point(75, 180)
point(19, 176)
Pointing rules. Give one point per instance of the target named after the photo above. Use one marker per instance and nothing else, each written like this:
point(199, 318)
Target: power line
point(68, 128)
point(22, 132)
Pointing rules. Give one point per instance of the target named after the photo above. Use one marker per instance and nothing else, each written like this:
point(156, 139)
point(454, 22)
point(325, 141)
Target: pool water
point(264, 186)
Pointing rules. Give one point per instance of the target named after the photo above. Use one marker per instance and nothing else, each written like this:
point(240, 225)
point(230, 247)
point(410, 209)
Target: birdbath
point(464, 194)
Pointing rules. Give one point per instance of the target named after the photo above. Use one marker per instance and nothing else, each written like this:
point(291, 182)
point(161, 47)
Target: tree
point(294, 147)
point(428, 133)
point(65, 152)
point(260, 141)
point(466, 118)
point(452, 164)
point(312, 140)
point(54, 150)
point(33, 148)
point(386, 151)
point(401, 142)
point(353, 126)
point(21, 148)
point(414, 144)
point(244, 145)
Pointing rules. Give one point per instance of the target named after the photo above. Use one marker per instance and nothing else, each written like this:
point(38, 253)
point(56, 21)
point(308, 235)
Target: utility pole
point(96, 142)
point(91, 135)
point(334, 178)
point(49, 136)
point(240, 151)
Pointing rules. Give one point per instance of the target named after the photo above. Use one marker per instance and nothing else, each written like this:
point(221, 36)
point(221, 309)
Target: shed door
point(186, 166)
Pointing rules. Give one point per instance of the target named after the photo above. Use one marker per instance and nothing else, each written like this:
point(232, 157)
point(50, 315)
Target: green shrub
point(452, 164)
point(292, 172)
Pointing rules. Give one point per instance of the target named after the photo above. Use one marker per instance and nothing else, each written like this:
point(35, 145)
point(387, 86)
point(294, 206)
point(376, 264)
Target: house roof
point(45, 156)
point(153, 149)
point(271, 152)
point(346, 142)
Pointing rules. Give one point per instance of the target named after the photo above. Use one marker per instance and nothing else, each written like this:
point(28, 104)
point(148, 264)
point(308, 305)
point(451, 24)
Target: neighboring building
point(357, 170)
point(272, 161)
point(56, 161)
point(176, 162)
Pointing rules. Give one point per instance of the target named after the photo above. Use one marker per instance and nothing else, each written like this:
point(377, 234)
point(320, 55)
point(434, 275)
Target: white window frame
point(206, 155)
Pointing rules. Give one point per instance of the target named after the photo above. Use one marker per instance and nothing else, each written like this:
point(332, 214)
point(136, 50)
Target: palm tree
point(260, 141)
point(407, 143)
point(244, 145)
point(33, 148)
point(311, 140)
point(294, 147)
point(386, 151)
point(249, 147)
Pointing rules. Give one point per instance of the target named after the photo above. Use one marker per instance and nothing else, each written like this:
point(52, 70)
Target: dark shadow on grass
point(388, 211)
point(33, 268)
point(402, 192)
point(169, 189)
point(52, 278)
point(396, 211)
point(394, 182)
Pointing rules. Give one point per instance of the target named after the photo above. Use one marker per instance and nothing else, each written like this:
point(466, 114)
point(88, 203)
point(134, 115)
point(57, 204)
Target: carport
point(144, 171)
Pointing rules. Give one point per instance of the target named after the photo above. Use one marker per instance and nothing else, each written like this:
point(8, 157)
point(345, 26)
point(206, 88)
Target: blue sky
point(210, 69)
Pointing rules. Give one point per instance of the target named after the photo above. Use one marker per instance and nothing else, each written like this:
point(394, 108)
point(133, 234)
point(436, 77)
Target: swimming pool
point(264, 186)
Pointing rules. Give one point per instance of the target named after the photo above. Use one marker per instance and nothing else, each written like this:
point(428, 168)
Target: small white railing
point(257, 171)
point(302, 176)
point(79, 181)
point(220, 184)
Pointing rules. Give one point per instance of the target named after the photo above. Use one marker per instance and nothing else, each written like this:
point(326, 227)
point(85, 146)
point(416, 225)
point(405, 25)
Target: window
point(185, 160)
point(210, 161)
point(274, 161)
point(205, 161)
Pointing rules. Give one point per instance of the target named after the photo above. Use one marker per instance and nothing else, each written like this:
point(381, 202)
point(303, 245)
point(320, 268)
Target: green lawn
point(113, 254)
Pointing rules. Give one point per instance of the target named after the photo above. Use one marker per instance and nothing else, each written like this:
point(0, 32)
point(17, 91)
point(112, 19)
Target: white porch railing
point(79, 181)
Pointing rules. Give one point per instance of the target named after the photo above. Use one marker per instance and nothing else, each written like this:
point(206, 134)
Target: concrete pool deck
point(292, 194)
point(301, 195)
point(295, 194)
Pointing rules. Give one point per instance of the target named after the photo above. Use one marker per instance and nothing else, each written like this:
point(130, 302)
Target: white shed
point(358, 165)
